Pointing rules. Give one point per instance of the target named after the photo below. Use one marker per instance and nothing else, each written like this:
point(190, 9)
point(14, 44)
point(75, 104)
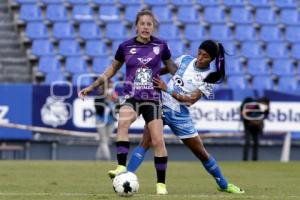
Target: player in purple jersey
point(179, 120)
point(143, 55)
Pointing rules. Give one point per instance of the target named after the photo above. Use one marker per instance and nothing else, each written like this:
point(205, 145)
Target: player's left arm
point(187, 99)
point(170, 67)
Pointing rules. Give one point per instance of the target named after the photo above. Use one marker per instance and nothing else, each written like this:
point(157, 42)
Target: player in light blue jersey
point(193, 79)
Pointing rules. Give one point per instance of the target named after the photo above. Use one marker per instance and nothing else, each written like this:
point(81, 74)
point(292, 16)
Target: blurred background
point(50, 49)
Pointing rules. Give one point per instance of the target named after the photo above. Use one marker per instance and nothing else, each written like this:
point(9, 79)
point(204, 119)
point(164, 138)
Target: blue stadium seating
point(81, 79)
point(96, 48)
point(25, 1)
point(292, 34)
point(89, 31)
point(234, 3)
point(69, 48)
point(252, 50)
point(187, 14)
point(288, 84)
point(241, 15)
point(194, 32)
point(286, 3)
point(43, 48)
point(168, 31)
point(262, 83)
point(82, 13)
point(130, 12)
point(116, 31)
point(77, 2)
point(237, 82)
point(220, 32)
point(76, 64)
point(295, 53)
point(104, 2)
point(265, 16)
point(48, 64)
point(163, 13)
point(56, 12)
point(234, 66)
point(177, 48)
point(156, 2)
point(100, 64)
point(182, 2)
point(270, 33)
point(208, 2)
point(36, 30)
point(63, 30)
point(277, 50)
point(214, 15)
point(52, 1)
point(260, 3)
point(54, 76)
point(283, 67)
point(109, 13)
point(194, 45)
point(30, 12)
point(245, 32)
point(230, 47)
point(258, 66)
point(115, 45)
point(289, 16)
point(130, 2)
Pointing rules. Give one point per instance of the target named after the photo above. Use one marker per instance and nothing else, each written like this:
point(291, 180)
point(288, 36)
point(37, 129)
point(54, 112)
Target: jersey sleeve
point(207, 89)
point(166, 54)
point(178, 60)
point(119, 56)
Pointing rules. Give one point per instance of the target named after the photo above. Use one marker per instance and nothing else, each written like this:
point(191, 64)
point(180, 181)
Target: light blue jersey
point(187, 79)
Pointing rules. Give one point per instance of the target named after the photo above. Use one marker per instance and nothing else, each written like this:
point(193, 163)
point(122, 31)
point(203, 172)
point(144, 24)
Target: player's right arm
point(107, 75)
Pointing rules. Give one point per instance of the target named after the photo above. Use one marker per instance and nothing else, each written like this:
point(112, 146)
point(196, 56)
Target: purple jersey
point(143, 62)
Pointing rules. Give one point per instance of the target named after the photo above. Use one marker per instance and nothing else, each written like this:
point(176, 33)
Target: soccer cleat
point(113, 173)
point(161, 189)
point(232, 189)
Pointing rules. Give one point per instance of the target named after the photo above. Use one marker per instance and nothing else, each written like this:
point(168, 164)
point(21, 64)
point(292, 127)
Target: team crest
point(143, 78)
point(156, 50)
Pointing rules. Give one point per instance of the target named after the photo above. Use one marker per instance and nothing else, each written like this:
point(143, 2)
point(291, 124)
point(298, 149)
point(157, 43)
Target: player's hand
point(84, 92)
point(160, 84)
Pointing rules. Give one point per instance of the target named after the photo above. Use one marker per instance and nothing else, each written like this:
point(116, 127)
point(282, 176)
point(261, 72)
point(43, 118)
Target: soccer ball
point(126, 184)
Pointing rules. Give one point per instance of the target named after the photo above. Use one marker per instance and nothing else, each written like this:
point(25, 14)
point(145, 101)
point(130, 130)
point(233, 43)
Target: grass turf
point(64, 180)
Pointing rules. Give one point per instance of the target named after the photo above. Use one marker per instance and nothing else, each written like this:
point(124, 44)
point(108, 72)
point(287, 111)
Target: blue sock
point(212, 167)
point(136, 159)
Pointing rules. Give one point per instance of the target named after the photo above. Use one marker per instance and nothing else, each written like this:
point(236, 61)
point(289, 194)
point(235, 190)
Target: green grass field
point(63, 180)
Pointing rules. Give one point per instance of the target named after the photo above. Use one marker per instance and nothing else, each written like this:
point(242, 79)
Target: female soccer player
point(193, 79)
point(143, 55)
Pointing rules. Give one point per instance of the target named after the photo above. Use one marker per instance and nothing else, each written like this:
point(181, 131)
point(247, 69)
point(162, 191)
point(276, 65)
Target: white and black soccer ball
point(126, 184)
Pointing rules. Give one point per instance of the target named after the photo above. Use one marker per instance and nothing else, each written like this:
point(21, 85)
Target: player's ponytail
point(216, 51)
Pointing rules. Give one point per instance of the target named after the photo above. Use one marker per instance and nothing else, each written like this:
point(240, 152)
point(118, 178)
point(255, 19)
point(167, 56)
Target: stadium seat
point(36, 30)
point(103, 2)
point(100, 64)
point(43, 48)
point(181, 2)
point(116, 31)
point(234, 66)
point(25, 1)
point(130, 12)
point(54, 76)
point(81, 79)
point(288, 84)
point(292, 34)
point(207, 2)
point(296, 51)
point(230, 47)
point(89, 31)
point(265, 16)
point(262, 83)
point(194, 32)
point(96, 48)
point(48, 64)
point(187, 14)
point(220, 32)
point(109, 13)
point(234, 3)
point(130, 2)
point(258, 66)
point(157, 2)
point(277, 50)
point(214, 15)
point(52, 1)
point(245, 32)
point(237, 82)
point(74, 2)
point(270, 33)
point(115, 45)
point(69, 48)
point(76, 64)
point(260, 3)
point(176, 47)
point(30, 12)
point(81, 13)
point(283, 67)
point(194, 45)
point(168, 31)
point(56, 12)
point(241, 15)
point(289, 16)
point(285, 3)
point(298, 68)
point(63, 30)
point(252, 50)
point(163, 13)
